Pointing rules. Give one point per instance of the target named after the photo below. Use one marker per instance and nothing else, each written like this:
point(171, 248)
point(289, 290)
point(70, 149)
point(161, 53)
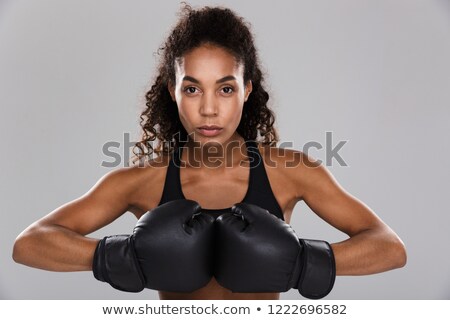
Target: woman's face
point(210, 94)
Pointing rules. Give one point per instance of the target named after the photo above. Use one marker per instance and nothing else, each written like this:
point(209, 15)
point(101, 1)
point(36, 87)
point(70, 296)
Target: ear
point(171, 89)
point(248, 89)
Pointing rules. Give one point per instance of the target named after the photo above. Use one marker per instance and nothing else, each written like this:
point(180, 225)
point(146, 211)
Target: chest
point(215, 189)
point(223, 188)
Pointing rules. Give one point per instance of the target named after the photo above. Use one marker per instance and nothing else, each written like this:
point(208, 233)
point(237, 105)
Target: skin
point(58, 241)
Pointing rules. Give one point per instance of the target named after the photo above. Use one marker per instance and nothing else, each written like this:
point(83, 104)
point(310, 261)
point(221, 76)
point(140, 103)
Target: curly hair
point(221, 27)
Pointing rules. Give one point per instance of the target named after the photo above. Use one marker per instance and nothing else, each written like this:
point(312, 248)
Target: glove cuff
point(318, 271)
point(98, 261)
point(115, 262)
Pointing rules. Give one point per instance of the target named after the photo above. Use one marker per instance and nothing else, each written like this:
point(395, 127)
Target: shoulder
point(134, 175)
point(286, 158)
point(140, 184)
point(298, 169)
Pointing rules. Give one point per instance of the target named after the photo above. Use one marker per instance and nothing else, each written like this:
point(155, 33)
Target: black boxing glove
point(170, 250)
point(258, 252)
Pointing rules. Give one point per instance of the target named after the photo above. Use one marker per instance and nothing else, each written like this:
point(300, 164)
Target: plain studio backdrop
point(375, 74)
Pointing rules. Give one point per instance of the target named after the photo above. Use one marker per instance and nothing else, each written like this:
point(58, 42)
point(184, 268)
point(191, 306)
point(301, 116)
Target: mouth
point(209, 131)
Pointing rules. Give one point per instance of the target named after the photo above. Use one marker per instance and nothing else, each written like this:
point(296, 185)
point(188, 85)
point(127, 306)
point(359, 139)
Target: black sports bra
point(259, 191)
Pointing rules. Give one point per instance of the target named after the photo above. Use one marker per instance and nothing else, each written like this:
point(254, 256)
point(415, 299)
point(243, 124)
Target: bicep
point(102, 204)
point(323, 194)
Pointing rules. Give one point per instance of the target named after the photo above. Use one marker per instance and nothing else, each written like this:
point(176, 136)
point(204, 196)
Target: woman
point(208, 113)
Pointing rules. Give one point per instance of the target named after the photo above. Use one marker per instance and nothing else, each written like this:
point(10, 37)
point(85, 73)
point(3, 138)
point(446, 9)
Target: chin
point(220, 139)
point(209, 141)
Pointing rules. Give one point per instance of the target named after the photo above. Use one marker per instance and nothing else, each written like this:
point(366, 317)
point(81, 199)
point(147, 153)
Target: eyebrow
point(191, 79)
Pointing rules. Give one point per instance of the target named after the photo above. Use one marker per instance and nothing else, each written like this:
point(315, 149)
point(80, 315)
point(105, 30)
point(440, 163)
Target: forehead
point(208, 60)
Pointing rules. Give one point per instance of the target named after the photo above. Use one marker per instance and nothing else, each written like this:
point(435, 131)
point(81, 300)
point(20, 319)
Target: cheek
point(234, 111)
point(185, 114)
point(185, 106)
point(188, 113)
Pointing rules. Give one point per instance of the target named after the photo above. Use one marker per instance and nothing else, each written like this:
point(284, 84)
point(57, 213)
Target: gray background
point(374, 73)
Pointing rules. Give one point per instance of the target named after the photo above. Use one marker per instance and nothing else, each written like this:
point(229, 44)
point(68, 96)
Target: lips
point(210, 127)
point(209, 131)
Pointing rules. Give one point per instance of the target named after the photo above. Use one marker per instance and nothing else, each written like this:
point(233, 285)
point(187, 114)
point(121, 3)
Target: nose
point(209, 106)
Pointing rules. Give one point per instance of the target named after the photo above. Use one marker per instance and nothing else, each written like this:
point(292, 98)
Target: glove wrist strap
point(115, 262)
point(318, 271)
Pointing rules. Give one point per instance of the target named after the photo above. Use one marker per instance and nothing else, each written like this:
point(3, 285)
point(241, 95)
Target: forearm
point(54, 248)
point(369, 252)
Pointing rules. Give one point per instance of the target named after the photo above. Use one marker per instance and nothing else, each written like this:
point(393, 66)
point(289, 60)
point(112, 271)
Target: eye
point(227, 90)
point(190, 90)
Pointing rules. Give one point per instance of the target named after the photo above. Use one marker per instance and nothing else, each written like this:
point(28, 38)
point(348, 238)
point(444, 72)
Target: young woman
point(209, 143)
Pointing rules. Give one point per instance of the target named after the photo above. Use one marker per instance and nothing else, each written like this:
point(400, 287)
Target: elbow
point(399, 254)
point(21, 247)
point(392, 250)
point(18, 249)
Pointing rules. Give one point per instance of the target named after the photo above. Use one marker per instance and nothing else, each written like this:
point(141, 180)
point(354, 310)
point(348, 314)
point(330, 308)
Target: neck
point(215, 155)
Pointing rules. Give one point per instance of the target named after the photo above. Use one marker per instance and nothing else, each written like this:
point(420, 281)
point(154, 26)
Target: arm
point(372, 246)
point(57, 242)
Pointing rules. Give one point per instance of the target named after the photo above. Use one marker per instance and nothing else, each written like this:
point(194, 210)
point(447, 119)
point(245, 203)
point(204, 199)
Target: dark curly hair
point(221, 27)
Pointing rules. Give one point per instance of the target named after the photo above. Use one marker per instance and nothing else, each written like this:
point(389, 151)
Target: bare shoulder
point(296, 168)
point(135, 188)
point(145, 169)
point(131, 177)
point(145, 181)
